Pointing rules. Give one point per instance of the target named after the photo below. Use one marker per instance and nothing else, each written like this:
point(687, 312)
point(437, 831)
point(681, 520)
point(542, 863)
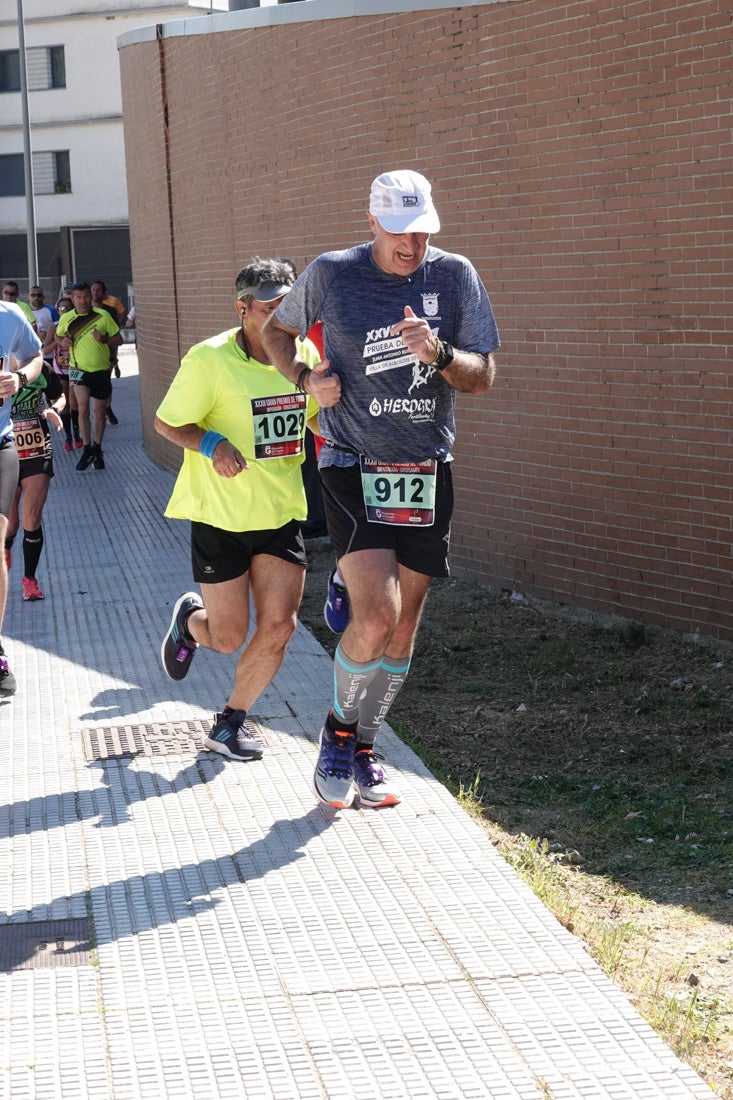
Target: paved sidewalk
point(177, 925)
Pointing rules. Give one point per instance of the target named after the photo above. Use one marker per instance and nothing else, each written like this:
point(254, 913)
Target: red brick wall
point(580, 156)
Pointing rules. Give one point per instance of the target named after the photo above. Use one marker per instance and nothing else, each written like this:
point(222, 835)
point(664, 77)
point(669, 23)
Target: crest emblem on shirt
point(430, 305)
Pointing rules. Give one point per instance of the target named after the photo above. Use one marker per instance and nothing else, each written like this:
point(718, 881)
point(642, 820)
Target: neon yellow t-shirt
point(262, 415)
point(86, 353)
point(30, 315)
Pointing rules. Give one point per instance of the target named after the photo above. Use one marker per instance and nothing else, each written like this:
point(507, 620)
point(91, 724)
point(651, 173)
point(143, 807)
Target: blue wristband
point(208, 444)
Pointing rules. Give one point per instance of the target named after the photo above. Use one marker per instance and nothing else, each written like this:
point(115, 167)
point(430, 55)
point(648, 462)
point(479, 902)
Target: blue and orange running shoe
point(333, 779)
point(373, 788)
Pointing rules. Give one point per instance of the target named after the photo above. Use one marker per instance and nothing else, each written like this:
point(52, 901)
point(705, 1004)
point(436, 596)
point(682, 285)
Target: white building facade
point(74, 97)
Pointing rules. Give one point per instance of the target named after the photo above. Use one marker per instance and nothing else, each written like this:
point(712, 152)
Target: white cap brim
point(426, 222)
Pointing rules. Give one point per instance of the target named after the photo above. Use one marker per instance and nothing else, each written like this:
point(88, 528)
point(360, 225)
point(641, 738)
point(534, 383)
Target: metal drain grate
point(181, 738)
point(44, 944)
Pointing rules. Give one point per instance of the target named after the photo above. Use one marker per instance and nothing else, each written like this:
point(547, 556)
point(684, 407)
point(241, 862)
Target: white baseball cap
point(402, 203)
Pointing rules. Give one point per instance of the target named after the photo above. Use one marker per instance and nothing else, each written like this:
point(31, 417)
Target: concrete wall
point(580, 156)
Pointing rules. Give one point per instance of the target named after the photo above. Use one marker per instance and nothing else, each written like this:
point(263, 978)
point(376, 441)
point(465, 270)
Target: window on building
point(45, 66)
point(11, 175)
point(9, 71)
point(51, 173)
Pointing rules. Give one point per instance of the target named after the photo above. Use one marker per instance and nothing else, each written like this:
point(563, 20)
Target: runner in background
point(36, 405)
point(21, 362)
point(88, 333)
point(60, 360)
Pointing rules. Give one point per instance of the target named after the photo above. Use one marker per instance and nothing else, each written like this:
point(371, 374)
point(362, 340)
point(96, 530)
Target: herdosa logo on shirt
point(415, 409)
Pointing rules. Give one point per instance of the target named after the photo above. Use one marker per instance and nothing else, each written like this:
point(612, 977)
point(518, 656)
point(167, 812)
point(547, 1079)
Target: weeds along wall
point(580, 156)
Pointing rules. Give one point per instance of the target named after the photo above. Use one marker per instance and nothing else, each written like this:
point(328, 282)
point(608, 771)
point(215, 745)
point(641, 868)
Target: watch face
point(446, 356)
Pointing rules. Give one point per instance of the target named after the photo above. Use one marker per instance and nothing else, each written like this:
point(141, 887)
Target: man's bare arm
point(188, 436)
point(470, 372)
point(282, 352)
point(281, 349)
point(32, 367)
point(226, 459)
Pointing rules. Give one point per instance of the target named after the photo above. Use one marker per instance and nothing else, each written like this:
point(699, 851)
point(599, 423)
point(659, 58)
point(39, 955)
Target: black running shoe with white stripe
point(178, 648)
point(231, 736)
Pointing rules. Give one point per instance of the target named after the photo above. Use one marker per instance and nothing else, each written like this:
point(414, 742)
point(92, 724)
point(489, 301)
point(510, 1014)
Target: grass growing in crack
point(540, 869)
point(469, 798)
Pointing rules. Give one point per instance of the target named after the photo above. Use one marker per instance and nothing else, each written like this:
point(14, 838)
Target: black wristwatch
point(23, 379)
point(445, 357)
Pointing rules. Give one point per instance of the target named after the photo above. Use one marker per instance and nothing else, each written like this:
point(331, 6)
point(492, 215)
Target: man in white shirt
point(45, 316)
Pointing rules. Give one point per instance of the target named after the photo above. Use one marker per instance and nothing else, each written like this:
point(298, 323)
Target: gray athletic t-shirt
point(392, 407)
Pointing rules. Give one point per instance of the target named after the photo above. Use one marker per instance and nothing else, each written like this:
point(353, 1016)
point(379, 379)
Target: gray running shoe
point(178, 648)
point(373, 788)
point(333, 779)
point(233, 738)
point(8, 685)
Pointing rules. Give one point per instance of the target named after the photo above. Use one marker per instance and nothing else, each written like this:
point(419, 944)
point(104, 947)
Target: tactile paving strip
point(249, 942)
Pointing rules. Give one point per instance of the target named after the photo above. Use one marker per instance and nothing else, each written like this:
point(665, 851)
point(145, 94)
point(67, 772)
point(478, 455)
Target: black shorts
point(422, 549)
point(8, 475)
point(98, 382)
point(39, 464)
point(218, 555)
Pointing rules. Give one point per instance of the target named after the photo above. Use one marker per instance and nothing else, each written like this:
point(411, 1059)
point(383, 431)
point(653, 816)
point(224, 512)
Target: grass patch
point(599, 758)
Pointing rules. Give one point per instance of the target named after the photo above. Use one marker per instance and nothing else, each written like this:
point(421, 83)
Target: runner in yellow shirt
point(87, 334)
point(241, 427)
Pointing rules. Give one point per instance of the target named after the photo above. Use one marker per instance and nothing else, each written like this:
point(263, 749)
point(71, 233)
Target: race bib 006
point(29, 438)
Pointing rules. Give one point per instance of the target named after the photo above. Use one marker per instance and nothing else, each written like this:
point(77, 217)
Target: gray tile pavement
point(174, 924)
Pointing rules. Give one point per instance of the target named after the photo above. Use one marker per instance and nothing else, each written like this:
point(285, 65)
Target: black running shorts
point(422, 549)
point(218, 555)
point(8, 475)
point(39, 464)
point(98, 382)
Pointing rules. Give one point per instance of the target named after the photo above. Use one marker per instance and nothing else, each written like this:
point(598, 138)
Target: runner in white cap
point(405, 326)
